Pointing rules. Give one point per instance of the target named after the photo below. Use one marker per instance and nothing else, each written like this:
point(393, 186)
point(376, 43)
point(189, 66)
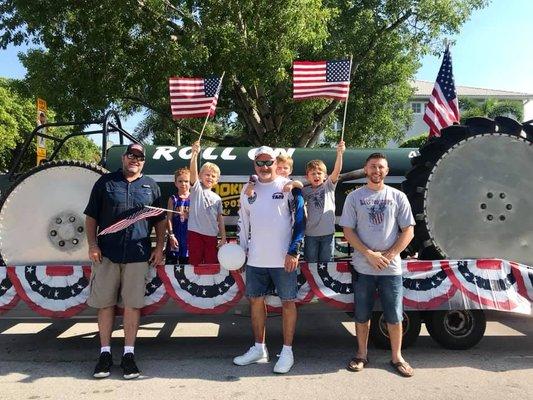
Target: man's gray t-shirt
point(320, 205)
point(204, 209)
point(377, 217)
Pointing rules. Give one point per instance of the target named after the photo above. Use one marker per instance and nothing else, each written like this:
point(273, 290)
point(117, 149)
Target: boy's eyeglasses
point(130, 156)
point(267, 163)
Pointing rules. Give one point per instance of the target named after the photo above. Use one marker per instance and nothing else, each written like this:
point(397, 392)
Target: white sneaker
point(252, 356)
point(285, 362)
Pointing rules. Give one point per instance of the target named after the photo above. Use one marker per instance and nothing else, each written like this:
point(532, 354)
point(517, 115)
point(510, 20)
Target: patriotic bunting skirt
point(61, 291)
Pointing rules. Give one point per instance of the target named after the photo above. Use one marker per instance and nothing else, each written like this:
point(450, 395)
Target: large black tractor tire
point(468, 192)
point(456, 329)
point(379, 334)
point(41, 214)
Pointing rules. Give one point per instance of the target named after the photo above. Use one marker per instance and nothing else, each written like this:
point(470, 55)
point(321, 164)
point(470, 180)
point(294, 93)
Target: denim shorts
point(318, 248)
point(262, 282)
point(390, 290)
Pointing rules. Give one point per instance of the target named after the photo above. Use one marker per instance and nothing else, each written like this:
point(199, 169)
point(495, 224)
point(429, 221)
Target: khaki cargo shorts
point(109, 280)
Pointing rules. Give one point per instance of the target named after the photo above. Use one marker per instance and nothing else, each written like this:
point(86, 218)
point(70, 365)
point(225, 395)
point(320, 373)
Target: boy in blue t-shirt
point(177, 250)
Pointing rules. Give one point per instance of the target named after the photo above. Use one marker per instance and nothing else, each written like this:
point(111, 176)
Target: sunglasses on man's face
point(130, 156)
point(267, 163)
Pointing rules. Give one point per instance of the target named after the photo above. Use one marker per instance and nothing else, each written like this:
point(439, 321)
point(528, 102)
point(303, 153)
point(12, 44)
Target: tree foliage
point(415, 141)
point(490, 108)
point(90, 57)
point(18, 116)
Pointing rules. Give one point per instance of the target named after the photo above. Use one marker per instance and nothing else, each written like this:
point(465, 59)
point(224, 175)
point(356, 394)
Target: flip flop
point(403, 369)
point(357, 364)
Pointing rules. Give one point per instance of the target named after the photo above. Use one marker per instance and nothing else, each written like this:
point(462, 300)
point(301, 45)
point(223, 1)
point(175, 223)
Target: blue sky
point(494, 50)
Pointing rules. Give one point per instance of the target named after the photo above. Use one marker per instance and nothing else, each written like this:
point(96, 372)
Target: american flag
point(123, 223)
point(194, 97)
point(443, 107)
point(321, 79)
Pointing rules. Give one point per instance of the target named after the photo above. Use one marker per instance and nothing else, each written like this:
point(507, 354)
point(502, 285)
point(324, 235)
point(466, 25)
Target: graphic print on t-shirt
point(183, 209)
point(376, 209)
point(376, 213)
point(317, 199)
point(252, 198)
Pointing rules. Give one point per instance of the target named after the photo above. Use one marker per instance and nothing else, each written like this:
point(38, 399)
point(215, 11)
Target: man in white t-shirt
point(271, 238)
point(378, 223)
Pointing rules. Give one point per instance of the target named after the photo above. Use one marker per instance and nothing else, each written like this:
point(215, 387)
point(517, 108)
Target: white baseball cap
point(265, 150)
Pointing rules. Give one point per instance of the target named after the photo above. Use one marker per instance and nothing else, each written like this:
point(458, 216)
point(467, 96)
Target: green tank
point(468, 190)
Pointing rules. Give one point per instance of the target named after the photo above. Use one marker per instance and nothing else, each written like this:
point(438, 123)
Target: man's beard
point(375, 179)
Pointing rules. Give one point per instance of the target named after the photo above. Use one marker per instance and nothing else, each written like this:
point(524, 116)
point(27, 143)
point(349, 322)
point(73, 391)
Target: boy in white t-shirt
point(205, 212)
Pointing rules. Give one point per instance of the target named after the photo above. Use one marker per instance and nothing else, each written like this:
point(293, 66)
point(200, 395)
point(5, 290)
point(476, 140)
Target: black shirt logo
point(252, 198)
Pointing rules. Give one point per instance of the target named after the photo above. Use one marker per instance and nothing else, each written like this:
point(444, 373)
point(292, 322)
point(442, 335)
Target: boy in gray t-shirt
point(319, 197)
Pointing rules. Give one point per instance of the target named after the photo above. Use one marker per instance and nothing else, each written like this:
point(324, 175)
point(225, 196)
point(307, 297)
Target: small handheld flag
point(123, 223)
point(321, 79)
point(194, 97)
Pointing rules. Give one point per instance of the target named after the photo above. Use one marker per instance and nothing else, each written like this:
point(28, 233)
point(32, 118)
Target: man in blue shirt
point(121, 260)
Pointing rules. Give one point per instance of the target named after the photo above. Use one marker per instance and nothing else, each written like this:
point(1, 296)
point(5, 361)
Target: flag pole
point(346, 101)
point(207, 116)
point(162, 209)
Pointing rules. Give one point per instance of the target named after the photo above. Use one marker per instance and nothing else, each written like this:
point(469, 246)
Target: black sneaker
point(129, 367)
point(105, 361)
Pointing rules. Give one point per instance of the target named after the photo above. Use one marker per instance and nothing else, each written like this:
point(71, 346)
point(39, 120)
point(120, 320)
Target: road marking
point(26, 328)
point(146, 330)
point(85, 329)
point(196, 329)
point(350, 327)
point(495, 328)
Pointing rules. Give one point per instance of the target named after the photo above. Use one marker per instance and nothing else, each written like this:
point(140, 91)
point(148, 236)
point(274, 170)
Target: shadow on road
point(323, 345)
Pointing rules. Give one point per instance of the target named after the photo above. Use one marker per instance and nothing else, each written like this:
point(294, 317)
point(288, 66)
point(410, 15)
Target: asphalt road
point(190, 358)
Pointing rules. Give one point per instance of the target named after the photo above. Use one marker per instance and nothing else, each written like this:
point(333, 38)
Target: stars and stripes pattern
point(60, 291)
point(123, 223)
point(55, 291)
point(443, 107)
point(321, 79)
point(194, 97)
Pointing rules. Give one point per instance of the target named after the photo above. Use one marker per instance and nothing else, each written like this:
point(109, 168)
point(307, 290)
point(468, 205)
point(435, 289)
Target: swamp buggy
point(469, 189)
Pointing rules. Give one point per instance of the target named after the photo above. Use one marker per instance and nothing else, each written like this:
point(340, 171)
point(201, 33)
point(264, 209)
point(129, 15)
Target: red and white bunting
point(58, 291)
point(202, 289)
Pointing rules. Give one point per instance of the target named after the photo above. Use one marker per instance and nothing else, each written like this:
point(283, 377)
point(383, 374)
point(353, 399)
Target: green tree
point(18, 119)
point(490, 108)
point(120, 53)
point(415, 141)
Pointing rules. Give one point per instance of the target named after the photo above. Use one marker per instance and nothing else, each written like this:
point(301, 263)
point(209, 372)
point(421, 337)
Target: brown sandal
point(357, 364)
point(403, 368)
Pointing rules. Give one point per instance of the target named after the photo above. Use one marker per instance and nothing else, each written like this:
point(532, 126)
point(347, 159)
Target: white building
point(423, 91)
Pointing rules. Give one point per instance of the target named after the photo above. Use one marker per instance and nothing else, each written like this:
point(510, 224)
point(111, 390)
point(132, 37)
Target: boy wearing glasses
point(121, 260)
point(205, 212)
point(272, 237)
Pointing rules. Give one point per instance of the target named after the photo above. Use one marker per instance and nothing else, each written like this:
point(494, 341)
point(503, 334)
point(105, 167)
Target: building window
point(417, 108)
